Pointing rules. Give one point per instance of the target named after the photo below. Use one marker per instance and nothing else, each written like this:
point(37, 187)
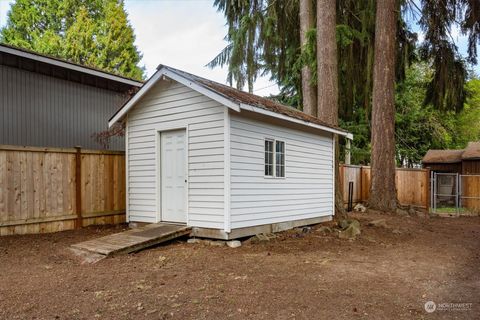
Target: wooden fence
point(413, 185)
point(470, 185)
point(50, 189)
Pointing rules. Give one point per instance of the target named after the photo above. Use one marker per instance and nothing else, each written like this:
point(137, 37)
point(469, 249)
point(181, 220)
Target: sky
point(187, 34)
point(184, 34)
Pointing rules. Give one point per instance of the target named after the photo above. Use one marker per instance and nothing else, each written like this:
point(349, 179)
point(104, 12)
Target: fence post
point(427, 189)
point(341, 178)
point(78, 186)
point(361, 184)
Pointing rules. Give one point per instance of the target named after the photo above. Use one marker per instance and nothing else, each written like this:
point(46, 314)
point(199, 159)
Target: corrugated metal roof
point(68, 64)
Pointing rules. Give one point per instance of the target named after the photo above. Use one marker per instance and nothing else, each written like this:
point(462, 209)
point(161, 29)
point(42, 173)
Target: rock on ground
point(351, 231)
point(360, 208)
point(234, 244)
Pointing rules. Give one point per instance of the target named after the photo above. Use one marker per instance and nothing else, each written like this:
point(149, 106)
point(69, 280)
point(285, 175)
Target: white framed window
point(274, 158)
point(280, 159)
point(269, 158)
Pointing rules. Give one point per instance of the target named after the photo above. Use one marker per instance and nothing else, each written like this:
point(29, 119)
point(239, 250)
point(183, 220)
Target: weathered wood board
point(38, 189)
point(412, 184)
point(134, 239)
point(471, 193)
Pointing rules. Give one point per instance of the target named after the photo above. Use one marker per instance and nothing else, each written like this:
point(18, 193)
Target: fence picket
point(412, 184)
point(38, 189)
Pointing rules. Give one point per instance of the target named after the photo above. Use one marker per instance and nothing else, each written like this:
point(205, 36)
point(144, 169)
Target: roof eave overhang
point(441, 162)
point(69, 66)
point(295, 120)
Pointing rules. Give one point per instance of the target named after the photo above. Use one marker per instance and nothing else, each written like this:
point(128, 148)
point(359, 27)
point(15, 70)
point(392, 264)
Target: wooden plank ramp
point(133, 240)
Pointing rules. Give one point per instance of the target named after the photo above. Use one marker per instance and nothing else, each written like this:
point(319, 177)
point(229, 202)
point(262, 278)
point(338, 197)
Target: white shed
point(225, 162)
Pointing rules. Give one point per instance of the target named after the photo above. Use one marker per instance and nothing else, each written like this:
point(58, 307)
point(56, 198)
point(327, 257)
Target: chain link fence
point(455, 194)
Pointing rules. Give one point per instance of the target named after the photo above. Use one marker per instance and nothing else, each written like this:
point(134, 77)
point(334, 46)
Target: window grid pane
point(280, 159)
point(268, 158)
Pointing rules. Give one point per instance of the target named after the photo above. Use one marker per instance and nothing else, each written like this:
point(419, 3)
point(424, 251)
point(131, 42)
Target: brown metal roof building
point(464, 161)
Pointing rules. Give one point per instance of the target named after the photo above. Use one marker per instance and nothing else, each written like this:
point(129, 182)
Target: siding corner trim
point(227, 171)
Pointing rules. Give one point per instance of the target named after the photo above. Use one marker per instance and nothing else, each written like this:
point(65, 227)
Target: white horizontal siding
point(171, 104)
point(305, 192)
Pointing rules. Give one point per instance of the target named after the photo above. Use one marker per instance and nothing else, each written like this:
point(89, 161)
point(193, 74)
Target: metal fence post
point(457, 200)
point(460, 191)
point(434, 192)
point(427, 190)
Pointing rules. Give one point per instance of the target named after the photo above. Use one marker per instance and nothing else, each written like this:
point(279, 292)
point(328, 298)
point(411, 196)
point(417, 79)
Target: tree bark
point(383, 195)
point(309, 90)
point(327, 84)
point(327, 65)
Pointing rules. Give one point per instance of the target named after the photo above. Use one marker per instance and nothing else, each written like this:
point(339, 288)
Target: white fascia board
point(122, 112)
point(70, 66)
point(295, 120)
point(180, 79)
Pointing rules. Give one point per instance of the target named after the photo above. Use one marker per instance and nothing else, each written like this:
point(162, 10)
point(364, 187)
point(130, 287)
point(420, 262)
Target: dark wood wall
point(445, 167)
point(471, 166)
point(464, 167)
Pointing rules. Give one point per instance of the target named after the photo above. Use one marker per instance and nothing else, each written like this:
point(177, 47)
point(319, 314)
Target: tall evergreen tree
point(327, 75)
point(278, 52)
point(327, 72)
point(309, 89)
point(383, 192)
point(95, 33)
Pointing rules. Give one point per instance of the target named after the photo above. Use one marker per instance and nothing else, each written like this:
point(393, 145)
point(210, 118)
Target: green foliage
point(421, 127)
point(437, 19)
point(430, 94)
point(467, 122)
point(418, 127)
point(263, 37)
point(359, 126)
point(95, 33)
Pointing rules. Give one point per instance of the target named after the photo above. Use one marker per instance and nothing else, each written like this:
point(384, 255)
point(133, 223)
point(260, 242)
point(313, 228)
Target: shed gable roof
point(443, 156)
point(228, 96)
point(471, 152)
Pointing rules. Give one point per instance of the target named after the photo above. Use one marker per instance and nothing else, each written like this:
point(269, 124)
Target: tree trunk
point(383, 195)
point(309, 90)
point(327, 74)
point(327, 67)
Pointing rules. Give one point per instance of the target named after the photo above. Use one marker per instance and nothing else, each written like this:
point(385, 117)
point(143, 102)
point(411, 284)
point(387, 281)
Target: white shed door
point(173, 176)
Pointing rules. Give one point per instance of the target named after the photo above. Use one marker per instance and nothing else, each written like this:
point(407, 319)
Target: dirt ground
point(387, 273)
